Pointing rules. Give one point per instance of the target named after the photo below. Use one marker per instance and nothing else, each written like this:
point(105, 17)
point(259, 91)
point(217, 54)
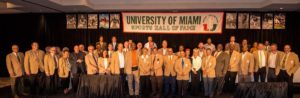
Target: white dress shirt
point(145, 57)
point(121, 59)
point(262, 57)
point(197, 61)
point(272, 60)
point(105, 62)
point(164, 51)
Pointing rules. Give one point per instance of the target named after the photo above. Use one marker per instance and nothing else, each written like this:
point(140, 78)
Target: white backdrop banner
point(178, 23)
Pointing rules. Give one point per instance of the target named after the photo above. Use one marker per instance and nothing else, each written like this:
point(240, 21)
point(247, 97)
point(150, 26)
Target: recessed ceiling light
point(281, 8)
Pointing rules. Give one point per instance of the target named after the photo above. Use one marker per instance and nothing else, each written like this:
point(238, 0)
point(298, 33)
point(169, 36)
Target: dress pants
point(271, 75)
point(230, 78)
point(123, 79)
point(219, 84)
point(169, 85)
point(75, 81)
point(182, 87)
point(244, 78)
point(134, 83)
point(33, 83)
point(145, 85)
point(284, 77)
point(195, 83)
point(65, 82)
point(156, 85)
point(208, 86)
point(260, 74)
point(13, 85)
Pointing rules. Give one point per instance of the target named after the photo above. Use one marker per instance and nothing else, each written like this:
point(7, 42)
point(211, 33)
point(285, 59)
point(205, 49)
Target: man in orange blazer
point(156, 73)
point(183, 67)
point(233, 67)
point(289, 64)
point(261, 63)
point(132, 71)
point(14, 64)
point(169, 73)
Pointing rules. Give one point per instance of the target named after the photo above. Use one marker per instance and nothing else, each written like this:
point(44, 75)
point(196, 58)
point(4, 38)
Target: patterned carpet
point(5, 92)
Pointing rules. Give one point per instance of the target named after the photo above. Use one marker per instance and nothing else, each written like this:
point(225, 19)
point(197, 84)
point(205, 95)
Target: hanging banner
point(173, 23)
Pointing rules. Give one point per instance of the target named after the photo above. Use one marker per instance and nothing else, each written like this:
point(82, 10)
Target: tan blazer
point(208, 66)
point(246, 64)
point(128, 61)
point(183, 72)
point(49, 64)
point(169, 65)
point(101, 66)
point(291, 65)
point(157, 63)
point(256, 60)
point(144, 65)
point(33, 63)
point(222, 63)
point(279, 56)
point(63, 68)
point(234, 61)
point(161, 51)
point(14, 66)
point(91, 64)
point(115, 63)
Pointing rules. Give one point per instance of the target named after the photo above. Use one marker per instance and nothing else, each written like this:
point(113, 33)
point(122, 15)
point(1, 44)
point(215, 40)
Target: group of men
point(156, 71)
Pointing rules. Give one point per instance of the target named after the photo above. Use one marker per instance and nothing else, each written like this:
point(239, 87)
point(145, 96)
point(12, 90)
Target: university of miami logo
point(210, 23)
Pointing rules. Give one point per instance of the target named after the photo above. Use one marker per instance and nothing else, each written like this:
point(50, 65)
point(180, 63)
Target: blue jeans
point(170, 83)
point(208, 86)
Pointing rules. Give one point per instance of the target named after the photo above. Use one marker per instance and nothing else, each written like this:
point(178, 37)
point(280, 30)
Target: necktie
point(182, 63)
point(154, 59)
point(260, 58)
point(55, 61)
point(18, 58)
point(283, 62)
point(95, 59)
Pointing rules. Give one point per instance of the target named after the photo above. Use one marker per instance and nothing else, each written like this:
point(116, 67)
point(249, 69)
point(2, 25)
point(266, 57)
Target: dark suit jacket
point(77, 67)
point(222, 64)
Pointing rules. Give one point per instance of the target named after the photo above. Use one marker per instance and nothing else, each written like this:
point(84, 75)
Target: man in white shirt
point(260, 59)
point(273, 61)
point(150, 41)
point(210, 45)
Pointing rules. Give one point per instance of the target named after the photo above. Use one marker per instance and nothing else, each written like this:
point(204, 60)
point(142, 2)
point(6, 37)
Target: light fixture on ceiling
point(10, 5)
point(281, 8)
